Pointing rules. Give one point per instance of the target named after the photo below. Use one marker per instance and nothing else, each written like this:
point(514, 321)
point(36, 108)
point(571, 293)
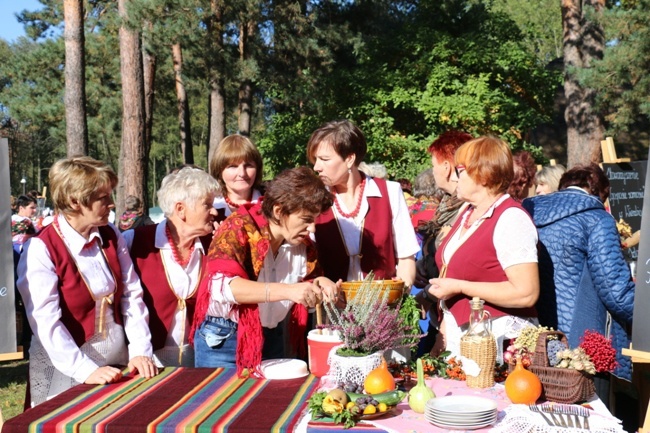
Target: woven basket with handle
point(562, 385)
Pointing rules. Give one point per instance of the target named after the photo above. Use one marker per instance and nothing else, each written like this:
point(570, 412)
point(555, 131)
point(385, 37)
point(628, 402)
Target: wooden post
point(641, 362)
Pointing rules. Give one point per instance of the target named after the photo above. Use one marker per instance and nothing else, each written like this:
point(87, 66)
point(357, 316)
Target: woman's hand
point(444, 288)
point(328, 290)
point(143, 365)
point(306, 293)
point(104, 375)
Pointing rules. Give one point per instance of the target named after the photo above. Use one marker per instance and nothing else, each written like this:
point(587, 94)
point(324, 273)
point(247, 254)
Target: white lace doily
point(519, 419)
point(352, 369)
point(503, 329)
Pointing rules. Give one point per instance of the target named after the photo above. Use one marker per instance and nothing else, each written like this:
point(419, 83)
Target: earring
point(349, 170)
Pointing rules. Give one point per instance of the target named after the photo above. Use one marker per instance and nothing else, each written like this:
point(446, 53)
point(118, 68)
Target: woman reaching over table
point(80, 290)
point(490, 252)
point(261, 265)
point(360, 232)
point(237, 166)
point(169, 257)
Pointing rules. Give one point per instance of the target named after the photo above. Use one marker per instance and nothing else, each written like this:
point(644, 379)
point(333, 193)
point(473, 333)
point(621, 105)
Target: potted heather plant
point(368, 326)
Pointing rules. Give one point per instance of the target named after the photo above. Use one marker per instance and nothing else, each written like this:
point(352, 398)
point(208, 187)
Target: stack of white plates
point(461, 412)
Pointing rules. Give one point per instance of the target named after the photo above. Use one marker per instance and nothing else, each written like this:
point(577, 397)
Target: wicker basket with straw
point(561, 385)
point(395, 289)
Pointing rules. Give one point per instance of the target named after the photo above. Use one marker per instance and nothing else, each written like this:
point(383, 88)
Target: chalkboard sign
point(641, 325)
point(628, 184)
point(7, 295)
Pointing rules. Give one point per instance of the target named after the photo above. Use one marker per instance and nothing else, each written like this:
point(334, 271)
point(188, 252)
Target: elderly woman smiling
point(80, 290)
point(170, 258)
point(491, 250)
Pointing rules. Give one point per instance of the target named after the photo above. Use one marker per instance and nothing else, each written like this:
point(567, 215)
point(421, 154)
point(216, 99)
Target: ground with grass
point(13, 379)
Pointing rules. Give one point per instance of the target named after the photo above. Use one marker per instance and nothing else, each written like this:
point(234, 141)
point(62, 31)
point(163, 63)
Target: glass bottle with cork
point(479, 345)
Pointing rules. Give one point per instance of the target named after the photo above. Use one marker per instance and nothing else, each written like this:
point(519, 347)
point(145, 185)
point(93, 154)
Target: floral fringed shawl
point(239, 248)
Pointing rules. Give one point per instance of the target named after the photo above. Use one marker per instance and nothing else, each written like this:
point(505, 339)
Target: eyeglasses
point(459, 169)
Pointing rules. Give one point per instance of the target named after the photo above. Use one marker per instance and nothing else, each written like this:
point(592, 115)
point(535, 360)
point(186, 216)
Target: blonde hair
point(488, 161)
point(550, 175)
point(189, 185)
point(78, 179)
point(234, 149)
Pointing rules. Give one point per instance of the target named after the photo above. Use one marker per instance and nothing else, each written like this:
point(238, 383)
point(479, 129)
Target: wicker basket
point(561, 385)
point(395, 288)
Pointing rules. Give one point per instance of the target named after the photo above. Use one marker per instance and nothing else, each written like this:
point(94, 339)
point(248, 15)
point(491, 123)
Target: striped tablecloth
point(177, 400)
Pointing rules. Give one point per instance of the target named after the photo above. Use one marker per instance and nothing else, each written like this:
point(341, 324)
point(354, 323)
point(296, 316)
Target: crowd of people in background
point(234, 259)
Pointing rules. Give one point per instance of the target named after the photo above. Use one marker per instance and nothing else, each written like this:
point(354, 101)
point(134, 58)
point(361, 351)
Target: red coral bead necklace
point(357, 208)
point(175, 252)
point(233, 204)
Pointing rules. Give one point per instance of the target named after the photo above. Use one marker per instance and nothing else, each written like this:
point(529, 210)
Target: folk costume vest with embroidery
point(238, 249)
point(476, 260)
point(377, 243)
point(158, 295)
point(75, 300)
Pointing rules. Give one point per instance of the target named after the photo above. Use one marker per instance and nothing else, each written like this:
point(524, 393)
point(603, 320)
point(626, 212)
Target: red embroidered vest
point(377, 244)
point(158, 295)
point(76, 303)
point(476, 260)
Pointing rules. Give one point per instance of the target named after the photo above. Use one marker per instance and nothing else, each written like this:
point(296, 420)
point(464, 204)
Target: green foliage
point(13, 379)
point(621, 78)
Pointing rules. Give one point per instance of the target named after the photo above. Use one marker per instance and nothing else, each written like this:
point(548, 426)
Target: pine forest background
point(160, 82)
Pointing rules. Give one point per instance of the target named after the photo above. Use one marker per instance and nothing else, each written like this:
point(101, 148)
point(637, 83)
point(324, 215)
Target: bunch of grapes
point(362, 402)
point(553, 347)
point(527, 339)
point(350, 387)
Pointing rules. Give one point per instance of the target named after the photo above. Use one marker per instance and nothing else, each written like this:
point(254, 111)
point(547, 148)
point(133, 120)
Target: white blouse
point(404, 239)
point(515, 236)
point(37, 283)
point(184, 281)
point(289, 266)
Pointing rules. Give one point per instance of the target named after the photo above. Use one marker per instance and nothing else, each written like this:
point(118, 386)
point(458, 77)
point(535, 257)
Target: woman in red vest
point(80, 290)
point(170, 256)
point(262, 266)
point(490, 251)
point(360, 232)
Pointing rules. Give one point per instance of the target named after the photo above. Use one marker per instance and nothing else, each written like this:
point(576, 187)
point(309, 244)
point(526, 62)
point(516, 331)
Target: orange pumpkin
point(379, 380)
point(523, 386)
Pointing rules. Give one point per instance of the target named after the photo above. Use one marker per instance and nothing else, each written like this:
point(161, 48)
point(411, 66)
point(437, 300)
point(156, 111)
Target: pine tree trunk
point(246, 86)
point(75, 79)
point(217, 104)
point(132, 156)
point(182, 105)
point(583, 42)
point(149, 74)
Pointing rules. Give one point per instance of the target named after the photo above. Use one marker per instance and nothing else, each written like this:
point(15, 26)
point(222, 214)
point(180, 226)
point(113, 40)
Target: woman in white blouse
point(80, 290)
point(262, 266)
point(170, 256)
point(369, 227)
point(490, 251)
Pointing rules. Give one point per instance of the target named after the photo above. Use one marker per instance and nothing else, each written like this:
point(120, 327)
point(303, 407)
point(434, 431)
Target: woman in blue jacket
point(585, 280)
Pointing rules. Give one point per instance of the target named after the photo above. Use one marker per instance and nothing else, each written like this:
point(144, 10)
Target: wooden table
point(177, 400)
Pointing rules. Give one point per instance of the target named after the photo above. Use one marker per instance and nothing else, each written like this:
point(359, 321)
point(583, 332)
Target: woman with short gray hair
point(169, 257)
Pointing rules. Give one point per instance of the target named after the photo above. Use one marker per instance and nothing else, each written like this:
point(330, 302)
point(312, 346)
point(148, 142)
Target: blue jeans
point(215, 343)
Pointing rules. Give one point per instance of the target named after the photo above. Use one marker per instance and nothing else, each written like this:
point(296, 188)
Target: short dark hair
point(589, 177)
point(344, 136)
point(24, 201)
point(295, 190)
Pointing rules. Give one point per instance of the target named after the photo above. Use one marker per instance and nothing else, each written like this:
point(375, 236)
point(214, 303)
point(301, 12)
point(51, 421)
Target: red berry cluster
point(600, 351)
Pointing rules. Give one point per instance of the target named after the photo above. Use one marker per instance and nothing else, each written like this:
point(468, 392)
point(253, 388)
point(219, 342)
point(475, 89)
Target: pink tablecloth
point(406, 420)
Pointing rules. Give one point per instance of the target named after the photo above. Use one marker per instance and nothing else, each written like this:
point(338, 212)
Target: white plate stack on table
point(461, 412)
